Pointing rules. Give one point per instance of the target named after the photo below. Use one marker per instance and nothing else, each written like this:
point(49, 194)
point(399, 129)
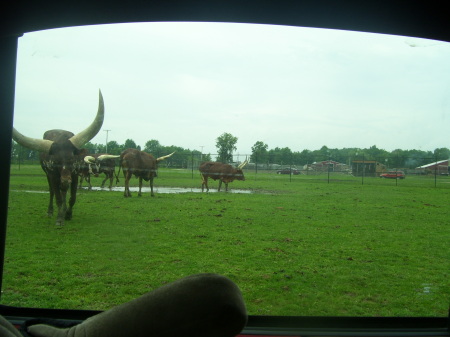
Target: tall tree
point(114, 147)
point(259, 152)
point(226, 144)
point(153, 146)
point(129, 144)
point(442, 153)
point(92, 148)
point(305, 157)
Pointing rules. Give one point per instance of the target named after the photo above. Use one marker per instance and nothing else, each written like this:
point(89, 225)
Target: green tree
point(286, 156)
point(129, 144)
point(226, 144)
point(442, 153)
point(304, 157)
point(153, 146)
point(282, 156)
point(23, 154)
point(114, 147)
point(98, 148)
point(259, 152)
point(92, 148)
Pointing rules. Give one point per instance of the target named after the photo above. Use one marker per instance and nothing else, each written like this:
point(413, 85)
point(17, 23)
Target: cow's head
point(62, 157)
point(60, 149)
point(93, 165)
point(239, 172)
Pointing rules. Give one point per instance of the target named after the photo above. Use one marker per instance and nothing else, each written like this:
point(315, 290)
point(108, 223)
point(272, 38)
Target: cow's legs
point(226, 185)
point(110, 175)
point(127, 176)
point(140, 187)
point(111, 181)
point(60, 197)
point(81, 182)
point(73, 197)
point(51, 189)
point(151, 187)
point(205, 183)
point(88, 179)
point(106, 178)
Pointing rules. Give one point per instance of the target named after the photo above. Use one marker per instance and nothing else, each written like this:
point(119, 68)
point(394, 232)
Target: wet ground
point(159, 190)
point(168, 190)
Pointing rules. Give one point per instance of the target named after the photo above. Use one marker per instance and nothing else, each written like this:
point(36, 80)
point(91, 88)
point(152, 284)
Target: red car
point(393, 175)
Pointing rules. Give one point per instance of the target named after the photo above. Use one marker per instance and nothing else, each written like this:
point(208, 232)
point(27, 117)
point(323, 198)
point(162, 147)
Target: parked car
point(288, 170)
point(393, 175)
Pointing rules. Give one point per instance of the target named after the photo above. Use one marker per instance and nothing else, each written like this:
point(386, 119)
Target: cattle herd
point(65, 162)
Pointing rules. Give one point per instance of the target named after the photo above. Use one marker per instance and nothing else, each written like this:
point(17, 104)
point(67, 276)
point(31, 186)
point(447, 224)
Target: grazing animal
point(140, 164)
point(99, 163)
point(84, 169)
point(224, 172)
point(60, 158)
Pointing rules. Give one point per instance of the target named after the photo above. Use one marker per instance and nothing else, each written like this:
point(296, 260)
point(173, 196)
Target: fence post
point(435, 171)
point(192, 164)
point(328, 167)
point(363, 171)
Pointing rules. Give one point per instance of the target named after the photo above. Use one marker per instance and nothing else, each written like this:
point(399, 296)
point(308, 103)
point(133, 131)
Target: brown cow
point(142, 164)
point(100, 163)
point(84, 170)
point(60, 160)
point(224, 172)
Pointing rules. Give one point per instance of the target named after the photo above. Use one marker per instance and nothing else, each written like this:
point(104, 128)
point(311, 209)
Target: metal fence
point(320, 167)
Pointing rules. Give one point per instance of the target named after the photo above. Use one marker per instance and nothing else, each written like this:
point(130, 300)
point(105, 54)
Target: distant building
point(437, 167)
point(368, 168)
point(328, 166)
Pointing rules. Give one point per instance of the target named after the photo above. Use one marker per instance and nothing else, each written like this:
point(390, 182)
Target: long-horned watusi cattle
point(60, 157)
point(140, 164)
point(225, 173)
point(97, 164)
point(84, 169)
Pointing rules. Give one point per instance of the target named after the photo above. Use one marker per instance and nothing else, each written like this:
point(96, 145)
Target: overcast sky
point(185, 84)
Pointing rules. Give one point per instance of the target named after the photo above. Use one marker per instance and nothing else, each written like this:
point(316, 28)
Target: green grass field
point(302, 246)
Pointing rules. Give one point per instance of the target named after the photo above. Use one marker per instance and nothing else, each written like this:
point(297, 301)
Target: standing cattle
point(60, 159)
point(142, 165)
point(99, 163)
point(84, 169)
point(224, 172)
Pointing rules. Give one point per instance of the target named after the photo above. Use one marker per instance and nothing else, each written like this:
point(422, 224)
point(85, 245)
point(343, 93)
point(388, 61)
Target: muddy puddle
point(161, 190)
point(168, 190)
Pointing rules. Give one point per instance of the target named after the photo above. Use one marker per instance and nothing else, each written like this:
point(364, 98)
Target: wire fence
point(398, 168)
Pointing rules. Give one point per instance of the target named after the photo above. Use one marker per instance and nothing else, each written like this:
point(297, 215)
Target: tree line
point(260, 153)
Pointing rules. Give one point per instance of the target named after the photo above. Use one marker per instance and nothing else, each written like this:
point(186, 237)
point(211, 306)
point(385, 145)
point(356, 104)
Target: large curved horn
point(243, 164)
point(87, 134)
point(89, 160)
point(107, 156)
point(41, 145)
point(164, 157)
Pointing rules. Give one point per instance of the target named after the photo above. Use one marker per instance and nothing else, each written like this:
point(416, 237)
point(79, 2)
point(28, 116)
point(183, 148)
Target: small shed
point(327, 166)
point(368, 168)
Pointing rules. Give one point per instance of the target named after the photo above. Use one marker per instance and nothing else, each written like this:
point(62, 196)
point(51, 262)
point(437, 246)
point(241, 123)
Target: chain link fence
point(319, 167)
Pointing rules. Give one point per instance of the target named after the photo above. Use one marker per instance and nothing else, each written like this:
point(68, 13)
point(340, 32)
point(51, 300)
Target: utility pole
point(201, 152)
point(107, 133)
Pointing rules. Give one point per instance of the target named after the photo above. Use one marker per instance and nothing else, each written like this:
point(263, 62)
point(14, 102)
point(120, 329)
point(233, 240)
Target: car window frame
point(418, 21)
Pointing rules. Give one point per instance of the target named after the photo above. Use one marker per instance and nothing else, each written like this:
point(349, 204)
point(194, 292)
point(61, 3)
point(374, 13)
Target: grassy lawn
point(309, 245)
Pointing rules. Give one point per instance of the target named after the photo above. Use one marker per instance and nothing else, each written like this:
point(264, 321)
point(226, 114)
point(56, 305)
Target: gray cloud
point(187, 83)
